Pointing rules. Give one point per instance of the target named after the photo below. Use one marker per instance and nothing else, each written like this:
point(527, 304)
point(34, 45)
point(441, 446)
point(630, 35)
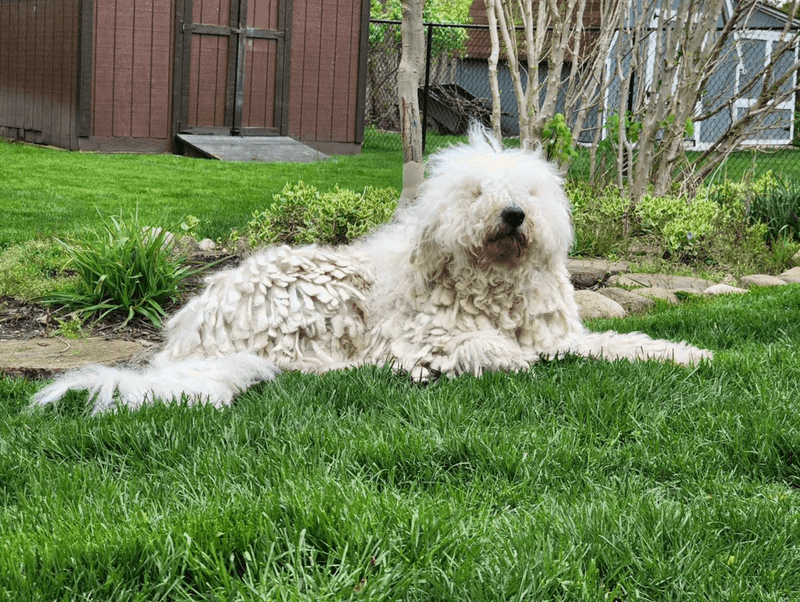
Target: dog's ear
point(428, 259)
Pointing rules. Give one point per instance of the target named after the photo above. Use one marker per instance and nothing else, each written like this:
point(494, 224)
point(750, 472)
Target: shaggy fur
point(470, 278)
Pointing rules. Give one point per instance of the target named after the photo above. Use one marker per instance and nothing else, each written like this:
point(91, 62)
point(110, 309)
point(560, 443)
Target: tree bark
point(412, 63)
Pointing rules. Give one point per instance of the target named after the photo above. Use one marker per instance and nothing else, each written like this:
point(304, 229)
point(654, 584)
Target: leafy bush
point(717, 227)
point(679, 223)
point(122, 267)
point(301, 214)
point(30, 269)
point(597, 217)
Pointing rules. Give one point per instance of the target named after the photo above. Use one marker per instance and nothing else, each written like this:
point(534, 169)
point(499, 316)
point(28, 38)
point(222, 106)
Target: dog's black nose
point(513, 216)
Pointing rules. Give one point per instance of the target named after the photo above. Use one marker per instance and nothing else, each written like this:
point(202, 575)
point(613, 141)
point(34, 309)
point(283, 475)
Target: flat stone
point(596, 264)
point(45, 357)
point(792, 275)
point(723, 289)
point(584, 279)
point(687, 284)
point(656, 292)
point(761, 280)
point(593, 305)
point(630, 301)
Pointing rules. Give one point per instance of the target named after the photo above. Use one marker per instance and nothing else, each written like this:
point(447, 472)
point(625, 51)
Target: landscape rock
point(761, 280)
point(657, 292)
point(792, 275)
point(207, 245)
point(630, 301)
point(187, 246)
point(687, 284)
point(593, 305)
point(723, 289)
point(589, 273)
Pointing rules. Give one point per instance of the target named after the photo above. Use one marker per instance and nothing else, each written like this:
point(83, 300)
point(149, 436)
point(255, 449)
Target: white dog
point(470, 278)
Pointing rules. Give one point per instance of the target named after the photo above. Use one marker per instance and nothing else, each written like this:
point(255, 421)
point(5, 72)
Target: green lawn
point(45, 191)
point(578, 480)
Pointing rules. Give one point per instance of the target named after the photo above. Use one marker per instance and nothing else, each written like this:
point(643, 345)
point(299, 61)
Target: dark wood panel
point(86, 68)
point(48, 70)
point(312, 50)
point(5, 52)
point(259, 98)
point(36, 77)
point(141, 70)
point(344, 91)
point(326, 70)
point(103, 76)
point(161, 76)
point(327, 43)
point(123, 69)
point(69, 89)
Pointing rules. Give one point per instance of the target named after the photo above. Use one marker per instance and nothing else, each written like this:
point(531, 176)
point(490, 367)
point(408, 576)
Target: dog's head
point(493, 207)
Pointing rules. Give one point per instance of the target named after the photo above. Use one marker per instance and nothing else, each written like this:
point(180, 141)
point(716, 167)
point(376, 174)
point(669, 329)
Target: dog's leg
point(480, 351)
point(635, 346)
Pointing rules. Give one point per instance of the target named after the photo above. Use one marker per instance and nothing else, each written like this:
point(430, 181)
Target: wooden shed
point(129, 76)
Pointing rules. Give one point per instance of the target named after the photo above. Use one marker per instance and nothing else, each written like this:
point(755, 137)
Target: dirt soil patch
point(32, 346)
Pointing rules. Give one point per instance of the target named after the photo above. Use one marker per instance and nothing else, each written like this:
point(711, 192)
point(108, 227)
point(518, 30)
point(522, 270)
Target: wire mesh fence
point(457, 90)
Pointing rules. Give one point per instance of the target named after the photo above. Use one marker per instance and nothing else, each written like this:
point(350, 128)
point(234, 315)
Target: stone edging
point(599, 294)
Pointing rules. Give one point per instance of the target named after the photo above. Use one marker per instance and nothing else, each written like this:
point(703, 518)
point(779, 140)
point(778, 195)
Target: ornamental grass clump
point(122, 267)
point(778, 207)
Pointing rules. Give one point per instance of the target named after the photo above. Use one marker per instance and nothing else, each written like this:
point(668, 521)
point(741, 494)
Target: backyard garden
point(574, 480)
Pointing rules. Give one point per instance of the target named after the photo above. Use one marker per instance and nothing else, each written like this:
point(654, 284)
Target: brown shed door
point(232, 67)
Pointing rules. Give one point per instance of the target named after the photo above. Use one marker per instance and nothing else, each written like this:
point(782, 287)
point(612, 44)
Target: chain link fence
point(456, 90)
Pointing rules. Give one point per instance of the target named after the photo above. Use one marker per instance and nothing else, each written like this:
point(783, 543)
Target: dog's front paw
point(481, 352)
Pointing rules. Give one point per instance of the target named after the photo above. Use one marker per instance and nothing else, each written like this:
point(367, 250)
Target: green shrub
point(714, 228)
point(679, 223)
point(122, 267)
point(30, 269)
point(598, 219)
point(301, 214)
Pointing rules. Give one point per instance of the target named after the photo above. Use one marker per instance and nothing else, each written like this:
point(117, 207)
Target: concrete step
point(249, 148)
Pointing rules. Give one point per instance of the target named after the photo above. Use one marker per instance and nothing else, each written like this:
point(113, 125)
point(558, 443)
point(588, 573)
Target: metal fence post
point(427, 83)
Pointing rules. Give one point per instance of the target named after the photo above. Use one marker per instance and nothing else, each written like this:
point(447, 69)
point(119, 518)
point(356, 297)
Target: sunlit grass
point(577, 480)
point(50, 192)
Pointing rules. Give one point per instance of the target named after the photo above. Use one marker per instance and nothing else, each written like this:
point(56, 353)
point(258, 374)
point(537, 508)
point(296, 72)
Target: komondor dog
point(470, 278)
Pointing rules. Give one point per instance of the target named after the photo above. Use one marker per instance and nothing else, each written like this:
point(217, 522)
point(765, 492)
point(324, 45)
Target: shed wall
point(324, 87)
point(39, 71)
point(126, 102)
point(132, 75)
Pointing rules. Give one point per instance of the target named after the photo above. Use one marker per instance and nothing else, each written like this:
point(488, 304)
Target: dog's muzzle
point(508, 240)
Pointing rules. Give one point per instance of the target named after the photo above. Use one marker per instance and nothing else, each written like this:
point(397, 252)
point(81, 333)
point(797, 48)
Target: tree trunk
point(497, 129)
point(412, 63)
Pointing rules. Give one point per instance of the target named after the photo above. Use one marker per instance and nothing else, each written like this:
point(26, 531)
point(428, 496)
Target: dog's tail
point(214, 380)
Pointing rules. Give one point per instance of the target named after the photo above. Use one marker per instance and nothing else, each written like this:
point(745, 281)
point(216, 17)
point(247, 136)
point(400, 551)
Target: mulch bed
point(21, 320)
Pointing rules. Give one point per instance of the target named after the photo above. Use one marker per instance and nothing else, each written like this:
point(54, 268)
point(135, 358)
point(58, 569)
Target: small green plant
point(71, 328)
point(557, 140)
point(301, 214)
point(122, 267)
point(30, 269)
